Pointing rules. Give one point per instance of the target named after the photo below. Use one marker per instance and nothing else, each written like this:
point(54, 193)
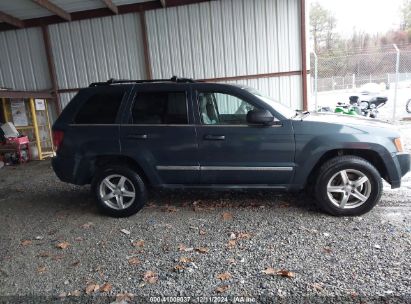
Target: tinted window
point(223, 109)
point(160, 108)
point(100, 108)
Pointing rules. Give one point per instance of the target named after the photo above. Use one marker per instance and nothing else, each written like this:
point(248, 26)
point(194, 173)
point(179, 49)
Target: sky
point(370, 16)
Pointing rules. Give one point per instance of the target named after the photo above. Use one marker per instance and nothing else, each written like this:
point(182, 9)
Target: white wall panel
point(229, 38)
point(98, 49)
point(23, 62)
point(285, 89)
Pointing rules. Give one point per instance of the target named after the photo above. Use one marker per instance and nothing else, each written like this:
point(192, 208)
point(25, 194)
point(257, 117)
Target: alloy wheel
point(348, 189)
point(117, 192)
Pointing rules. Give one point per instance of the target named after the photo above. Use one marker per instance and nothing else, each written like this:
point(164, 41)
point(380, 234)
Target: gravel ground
point(210, 246)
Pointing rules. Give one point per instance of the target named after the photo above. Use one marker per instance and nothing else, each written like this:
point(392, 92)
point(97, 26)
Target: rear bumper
point(72, 170)
point(403, 163)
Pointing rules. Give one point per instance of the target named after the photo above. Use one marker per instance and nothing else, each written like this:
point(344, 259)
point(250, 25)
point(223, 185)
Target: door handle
point(137, 136)
point(214, 137)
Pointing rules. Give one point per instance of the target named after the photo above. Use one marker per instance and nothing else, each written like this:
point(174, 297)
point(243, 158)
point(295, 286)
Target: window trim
point(130, 122)
point(197, 95)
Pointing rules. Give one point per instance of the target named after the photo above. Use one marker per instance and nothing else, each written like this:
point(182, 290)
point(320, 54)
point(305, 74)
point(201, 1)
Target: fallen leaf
point(90, 288)
point(62, 295)
point(63, 245)
point(170, 209)
point(224, 276)
point(87, 225)
point(41, 269)
point(78, 239)
point(318, 286)
point(139, 243)
point(124, 297)
point(202, 232)
point(183, 247)
point(243, 235)
point(202, 250)
point(327, 249)
point(150, 277)
point(44, 254)
point(75, 264)
point(57, 257)
point(125, 231)
point(185, 260)
point(231, 244)
point(221, 289)
point(286, 273)
point(270, 271)
point(106, 287)
point(284, 205)
point(75, 293)
point(178, 268)
point(134, 261)
point(227, 216)
point(26, 242)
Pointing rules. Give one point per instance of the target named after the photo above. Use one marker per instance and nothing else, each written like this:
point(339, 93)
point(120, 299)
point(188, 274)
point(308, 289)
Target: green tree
point(322, 28)
point(405, 12)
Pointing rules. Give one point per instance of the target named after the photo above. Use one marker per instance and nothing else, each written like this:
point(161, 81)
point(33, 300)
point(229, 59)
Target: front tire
point(119, 191)
point(348, 185)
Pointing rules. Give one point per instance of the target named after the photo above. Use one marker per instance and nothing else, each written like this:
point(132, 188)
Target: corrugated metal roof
point(23, 63)
point(97, 49)
point(23, 9)
point(78, 5)
point(124, 2)
point(27, 9)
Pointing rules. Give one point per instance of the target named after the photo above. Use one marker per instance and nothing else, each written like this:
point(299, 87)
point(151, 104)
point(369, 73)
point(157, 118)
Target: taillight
point(57, 138)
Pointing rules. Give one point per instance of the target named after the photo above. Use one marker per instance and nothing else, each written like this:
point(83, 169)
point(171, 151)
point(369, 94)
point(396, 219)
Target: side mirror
point(260, 117)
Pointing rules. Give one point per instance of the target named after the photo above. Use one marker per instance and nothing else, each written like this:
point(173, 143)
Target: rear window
point(100, 108)
point(160, 108)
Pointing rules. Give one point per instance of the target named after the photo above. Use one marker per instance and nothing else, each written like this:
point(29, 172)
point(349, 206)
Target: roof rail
point(119, 81)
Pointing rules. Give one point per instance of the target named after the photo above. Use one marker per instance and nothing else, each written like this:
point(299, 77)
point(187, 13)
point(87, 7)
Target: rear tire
point(119, 191)
point(348, 185)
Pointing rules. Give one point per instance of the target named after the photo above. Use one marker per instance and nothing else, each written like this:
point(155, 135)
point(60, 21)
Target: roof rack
point(117, 81)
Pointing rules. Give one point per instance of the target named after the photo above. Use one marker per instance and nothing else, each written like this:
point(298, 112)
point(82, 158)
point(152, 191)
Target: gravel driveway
point(210, 246)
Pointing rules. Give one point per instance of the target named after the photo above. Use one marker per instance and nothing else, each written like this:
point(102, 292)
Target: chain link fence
point(383, 72)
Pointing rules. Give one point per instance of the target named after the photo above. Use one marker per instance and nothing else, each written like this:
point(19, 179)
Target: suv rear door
point(158, 132)
point(231, 151)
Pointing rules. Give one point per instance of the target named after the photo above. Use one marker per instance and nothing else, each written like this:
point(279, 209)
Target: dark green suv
point(122, 136)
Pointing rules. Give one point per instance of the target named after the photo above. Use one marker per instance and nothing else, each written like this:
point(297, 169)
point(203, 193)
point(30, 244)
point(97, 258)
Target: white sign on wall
point(40, 104)
point(18, 112)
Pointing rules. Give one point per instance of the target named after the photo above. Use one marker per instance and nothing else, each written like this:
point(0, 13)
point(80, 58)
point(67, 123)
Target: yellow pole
point(48, 124)
point(36, 127)
point(4, 109)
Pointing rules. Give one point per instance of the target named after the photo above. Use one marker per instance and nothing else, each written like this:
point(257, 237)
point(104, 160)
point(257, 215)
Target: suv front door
point(232, 152)
point(158, 132)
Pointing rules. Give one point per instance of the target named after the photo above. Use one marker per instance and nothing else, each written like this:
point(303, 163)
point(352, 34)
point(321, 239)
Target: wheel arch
point(120, 160)
point(369, 155)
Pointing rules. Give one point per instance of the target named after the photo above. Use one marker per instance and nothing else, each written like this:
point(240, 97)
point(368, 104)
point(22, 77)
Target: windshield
point(279, 107)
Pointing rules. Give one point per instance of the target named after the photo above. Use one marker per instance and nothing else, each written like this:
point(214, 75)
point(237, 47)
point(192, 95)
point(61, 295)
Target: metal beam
point(303, 41)
point(25, 94)
point(100, 12)
point(11, 20)
point(54, 9)
point(111, 6)
point(50, 65)
point(147, 63)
